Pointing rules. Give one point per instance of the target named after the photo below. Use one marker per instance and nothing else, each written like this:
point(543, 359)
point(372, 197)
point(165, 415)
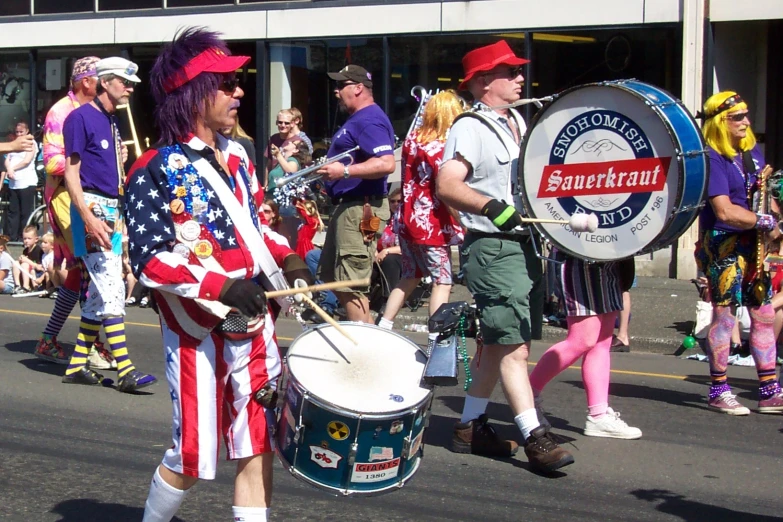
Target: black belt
point(522, 238)
point(353, 199)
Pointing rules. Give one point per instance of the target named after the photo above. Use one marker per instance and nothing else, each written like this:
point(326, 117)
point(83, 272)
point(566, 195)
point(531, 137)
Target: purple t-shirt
point(727, 179)
point(371, 130)
point(87, 132)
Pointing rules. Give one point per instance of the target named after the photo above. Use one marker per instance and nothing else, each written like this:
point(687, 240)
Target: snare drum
point(628, 152)
point(353, 416)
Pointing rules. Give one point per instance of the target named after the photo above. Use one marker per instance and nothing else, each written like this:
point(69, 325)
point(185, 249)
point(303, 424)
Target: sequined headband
point(727, 104)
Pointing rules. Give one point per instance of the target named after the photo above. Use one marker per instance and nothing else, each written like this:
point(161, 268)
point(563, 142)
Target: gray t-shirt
point(493, 155)
point(6, 263)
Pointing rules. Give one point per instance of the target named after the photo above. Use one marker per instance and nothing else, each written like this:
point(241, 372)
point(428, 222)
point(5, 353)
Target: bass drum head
point(602, 149)
point(380, 375)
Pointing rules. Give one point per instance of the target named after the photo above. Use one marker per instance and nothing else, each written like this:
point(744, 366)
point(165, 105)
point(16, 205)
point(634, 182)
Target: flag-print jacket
point(182, 242)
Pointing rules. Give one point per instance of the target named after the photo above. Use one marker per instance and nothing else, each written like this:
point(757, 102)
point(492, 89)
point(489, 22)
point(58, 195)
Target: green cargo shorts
point(345, 255)
point(500, 273)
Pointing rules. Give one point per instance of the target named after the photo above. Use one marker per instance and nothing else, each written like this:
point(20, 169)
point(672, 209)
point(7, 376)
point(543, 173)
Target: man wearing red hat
point(197, 239)
point(478, 178)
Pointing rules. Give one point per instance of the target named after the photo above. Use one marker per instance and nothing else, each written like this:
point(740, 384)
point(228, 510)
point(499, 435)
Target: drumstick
point(578, 222)
point(315, 288)
point(326, 317)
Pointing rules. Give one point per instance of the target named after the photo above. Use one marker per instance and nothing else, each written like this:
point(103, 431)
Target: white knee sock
point(250, 514)
point(163, 501)
point(527, 421)
point(385, 324)
point(474, 406)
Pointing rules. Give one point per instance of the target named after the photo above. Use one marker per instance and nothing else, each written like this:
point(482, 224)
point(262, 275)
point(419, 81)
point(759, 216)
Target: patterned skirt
point(589, 288)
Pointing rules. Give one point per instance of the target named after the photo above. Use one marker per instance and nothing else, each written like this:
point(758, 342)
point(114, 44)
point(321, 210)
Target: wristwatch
point(346, 174)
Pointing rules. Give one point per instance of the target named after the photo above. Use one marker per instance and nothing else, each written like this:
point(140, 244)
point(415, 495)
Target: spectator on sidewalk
point(729, 228)
point(29, 262)
point(427, 227)
point(621, 342)
point(286, 135)
point(387, 271)
point(6, 263)
point(296, 128)
point(22, 180)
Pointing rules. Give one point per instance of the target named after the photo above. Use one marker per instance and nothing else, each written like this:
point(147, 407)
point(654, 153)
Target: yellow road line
point(76, 318)
point(155, 325)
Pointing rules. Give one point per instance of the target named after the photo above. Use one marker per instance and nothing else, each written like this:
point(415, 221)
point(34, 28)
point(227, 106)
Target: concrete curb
point(658, 345)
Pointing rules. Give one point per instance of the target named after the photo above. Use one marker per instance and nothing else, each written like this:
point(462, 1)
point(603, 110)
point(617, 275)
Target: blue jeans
point(329, 302)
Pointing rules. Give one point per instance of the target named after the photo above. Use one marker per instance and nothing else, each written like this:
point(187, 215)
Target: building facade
point(691, 48)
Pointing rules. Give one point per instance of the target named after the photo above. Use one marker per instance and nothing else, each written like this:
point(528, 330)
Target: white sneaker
point(610, 425)
point(96, 361)
point(542, 420)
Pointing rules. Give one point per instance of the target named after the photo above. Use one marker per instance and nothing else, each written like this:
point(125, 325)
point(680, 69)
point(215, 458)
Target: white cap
point(118, 66)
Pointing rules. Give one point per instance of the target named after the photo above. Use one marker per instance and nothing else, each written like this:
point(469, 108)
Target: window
point(125, 5)
point(58, 6)
point(197, 3)
point(14, 7)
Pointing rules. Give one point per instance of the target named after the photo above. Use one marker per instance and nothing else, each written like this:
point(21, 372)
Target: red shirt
point(425, 220)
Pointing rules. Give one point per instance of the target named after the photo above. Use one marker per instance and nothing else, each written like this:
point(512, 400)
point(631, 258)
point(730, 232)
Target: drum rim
point(653, 244)
point(334, 408)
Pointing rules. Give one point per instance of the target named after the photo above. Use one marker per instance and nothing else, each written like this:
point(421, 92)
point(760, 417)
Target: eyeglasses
point(229, 84)
point(283, 123)
point(126, 82)
point(343, 85)
point(738, 117)
point(511, 72)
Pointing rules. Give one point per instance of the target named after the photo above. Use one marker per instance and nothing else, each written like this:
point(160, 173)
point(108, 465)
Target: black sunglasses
point(738, 117)
point(279, 122)
point(511, 72)
point(126, 82)
point(343, 85)
point(229, 83)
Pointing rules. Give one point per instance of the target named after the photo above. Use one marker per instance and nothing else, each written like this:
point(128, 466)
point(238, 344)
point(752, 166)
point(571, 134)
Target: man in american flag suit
point(196, 238)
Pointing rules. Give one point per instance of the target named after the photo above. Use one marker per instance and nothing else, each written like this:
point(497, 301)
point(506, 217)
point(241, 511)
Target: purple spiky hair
point(177, 112)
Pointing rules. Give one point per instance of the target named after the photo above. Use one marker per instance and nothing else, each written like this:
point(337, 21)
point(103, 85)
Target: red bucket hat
point(487, 57)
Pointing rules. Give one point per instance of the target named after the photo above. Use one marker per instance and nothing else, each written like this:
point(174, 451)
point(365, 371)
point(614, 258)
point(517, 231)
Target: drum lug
point(406, 447)
point(298, 434)
point(352, 454)
point(692, 153)
point(689, 208)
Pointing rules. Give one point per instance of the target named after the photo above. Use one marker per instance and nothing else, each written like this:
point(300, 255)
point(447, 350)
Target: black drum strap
point(747, 162)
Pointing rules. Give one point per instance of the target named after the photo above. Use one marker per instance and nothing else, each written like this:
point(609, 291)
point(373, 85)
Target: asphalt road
point(72, 453)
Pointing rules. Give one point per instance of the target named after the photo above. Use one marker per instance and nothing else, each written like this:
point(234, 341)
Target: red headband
point(211, 60)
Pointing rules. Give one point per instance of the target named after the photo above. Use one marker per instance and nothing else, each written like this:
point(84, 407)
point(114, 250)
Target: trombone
point(134, 137)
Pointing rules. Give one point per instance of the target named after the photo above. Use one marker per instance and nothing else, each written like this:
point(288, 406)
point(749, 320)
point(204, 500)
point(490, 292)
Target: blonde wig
point(439, 113)
point(716, 130)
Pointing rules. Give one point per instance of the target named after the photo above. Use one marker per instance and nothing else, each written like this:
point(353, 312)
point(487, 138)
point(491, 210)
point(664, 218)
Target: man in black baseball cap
point(353, 73)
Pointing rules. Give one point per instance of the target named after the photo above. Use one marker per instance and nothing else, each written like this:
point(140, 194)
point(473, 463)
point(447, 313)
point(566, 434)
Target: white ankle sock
point(163, 500)
point(474, 406)
point(250, 514)
point(386, 324)
point(527, 421)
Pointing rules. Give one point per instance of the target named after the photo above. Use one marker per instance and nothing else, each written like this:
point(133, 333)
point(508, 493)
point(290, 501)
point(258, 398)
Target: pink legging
point(590, 337)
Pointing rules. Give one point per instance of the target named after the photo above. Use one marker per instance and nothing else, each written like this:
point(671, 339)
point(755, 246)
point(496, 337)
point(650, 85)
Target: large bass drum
point(628, 152)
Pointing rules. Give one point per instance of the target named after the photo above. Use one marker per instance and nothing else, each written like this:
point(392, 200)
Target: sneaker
point(479, 438)
point(144, 303)
point(773, 404)
point(20, 290)
point(542, 420)
point(83, 376)
point(135, 380)
point(131, 301)
point(727, 403)
point(54, 295)
point(50, 350)
point(100, 358)
point(543, 453)
point(612, 426)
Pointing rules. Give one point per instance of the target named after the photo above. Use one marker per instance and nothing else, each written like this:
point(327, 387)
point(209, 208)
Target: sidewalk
point(663, 312)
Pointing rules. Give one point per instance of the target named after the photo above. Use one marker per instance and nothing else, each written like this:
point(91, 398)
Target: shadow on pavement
point(37, 365)
point(81, 509)
point(682, 327)
point(690, 510)
point(692, 400)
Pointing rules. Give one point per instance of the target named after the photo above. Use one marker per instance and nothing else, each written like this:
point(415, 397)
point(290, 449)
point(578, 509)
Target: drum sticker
point(419, 418)
point(375, 471)
point(337, 430)
point(325, 458)
point(415, 445)
point(604, 162)
point(396, 398)
point(396, 427)
point(379, 453)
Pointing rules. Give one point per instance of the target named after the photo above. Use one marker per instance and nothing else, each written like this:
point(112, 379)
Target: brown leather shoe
point(479, 438)
point(543, 453)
